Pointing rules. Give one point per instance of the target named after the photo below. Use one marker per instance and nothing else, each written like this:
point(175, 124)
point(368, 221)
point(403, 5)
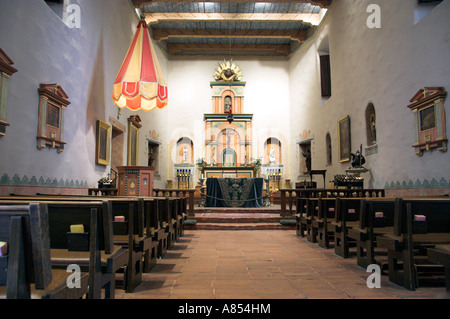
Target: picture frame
point(344, 134)
point(103, 145)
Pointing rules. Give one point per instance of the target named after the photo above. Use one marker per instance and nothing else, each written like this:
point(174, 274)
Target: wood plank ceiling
point(231, 28)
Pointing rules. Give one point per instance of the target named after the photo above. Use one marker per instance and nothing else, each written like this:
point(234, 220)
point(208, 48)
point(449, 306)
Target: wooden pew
point(130, 234)
point(407, 246)
point(163, 208)
point(151, 229)
point(62, 214)
point(305, 218)
point(300, 211)
point(26, 270)
point(440, 254)
point(326, 216)
point(346, 216)
point(312, 224)
point(370, 226)
point(126, 234)
point(167, 220)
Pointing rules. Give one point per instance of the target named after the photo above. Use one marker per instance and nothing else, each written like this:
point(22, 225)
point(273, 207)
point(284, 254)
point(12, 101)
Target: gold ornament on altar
point(227, 71)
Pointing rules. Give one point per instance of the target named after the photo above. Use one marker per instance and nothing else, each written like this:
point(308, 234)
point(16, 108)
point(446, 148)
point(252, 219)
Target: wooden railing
point(170, 192)
point(288, 196)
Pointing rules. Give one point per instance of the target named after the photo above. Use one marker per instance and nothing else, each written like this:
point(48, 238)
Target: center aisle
point(259, 264)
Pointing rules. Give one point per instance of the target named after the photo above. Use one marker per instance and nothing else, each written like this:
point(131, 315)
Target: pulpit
point(135, 180)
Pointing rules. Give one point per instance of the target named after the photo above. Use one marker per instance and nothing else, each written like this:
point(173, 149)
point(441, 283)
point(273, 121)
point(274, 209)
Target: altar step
point(239, 219)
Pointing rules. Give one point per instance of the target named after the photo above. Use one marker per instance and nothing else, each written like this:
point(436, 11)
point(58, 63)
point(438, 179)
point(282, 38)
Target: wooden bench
point(312, 223)
point(305, 219)
point(168, 221)
point(300, 212)
point(326, 216)
point(407, 246)
point(346, 216)
point(376, 218)
point(26, 269)
point(130, 235)
point(63, 213)
point(440, 254)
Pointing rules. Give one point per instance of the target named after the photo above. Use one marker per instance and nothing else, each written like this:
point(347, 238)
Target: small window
point(423, 8)
point(325, 67)
point(328, 146)
point(325, 75)
point(57, 7)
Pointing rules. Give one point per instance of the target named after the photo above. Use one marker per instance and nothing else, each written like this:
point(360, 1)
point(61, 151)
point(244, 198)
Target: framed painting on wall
point(103, 143)
point(133, 137)
point(344, 139)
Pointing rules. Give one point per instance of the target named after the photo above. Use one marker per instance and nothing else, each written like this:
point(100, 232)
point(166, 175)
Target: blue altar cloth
point(234, 192)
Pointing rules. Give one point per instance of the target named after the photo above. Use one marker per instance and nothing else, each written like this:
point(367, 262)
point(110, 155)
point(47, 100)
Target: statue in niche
point(373, 129)
point(151, 157)
point(184, 154)
point(307, 157)
point(272, 155)
point(227, 104)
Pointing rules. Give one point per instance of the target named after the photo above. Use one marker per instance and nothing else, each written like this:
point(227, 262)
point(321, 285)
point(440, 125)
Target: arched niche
point(185, 151)
point(272, 151)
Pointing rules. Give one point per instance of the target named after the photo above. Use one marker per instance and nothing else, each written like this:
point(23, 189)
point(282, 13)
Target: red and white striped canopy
point(140, 83)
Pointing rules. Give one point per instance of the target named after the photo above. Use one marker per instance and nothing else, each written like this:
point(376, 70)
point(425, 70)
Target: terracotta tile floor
point(260, 264)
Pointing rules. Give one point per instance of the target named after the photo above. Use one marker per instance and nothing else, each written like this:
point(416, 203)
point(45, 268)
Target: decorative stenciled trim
point(33, 181)
point(442, 183)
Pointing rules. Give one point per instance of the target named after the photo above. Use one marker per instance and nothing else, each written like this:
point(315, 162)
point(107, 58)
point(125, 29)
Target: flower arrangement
point(257, 163)
point(201, 163)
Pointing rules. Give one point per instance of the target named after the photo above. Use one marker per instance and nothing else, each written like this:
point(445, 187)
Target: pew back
point(372, 207)
point(25, 229)
point(435, 210)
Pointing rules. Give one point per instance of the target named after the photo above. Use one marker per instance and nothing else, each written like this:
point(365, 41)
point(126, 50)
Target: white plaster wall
point(190, 96)
point(385, 66)
point(84, 61)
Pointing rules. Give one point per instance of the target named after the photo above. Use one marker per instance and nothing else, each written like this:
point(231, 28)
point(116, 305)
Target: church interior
point(224, 149)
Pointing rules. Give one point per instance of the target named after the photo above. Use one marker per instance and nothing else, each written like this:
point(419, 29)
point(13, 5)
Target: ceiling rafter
point(271, 28)
point(321, 3)
point(308, 18)
point(294, 35)
point(176, 48)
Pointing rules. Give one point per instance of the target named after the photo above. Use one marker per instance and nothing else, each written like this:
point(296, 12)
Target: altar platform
point(235, 218)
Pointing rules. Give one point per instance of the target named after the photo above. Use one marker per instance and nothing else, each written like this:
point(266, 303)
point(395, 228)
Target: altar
point(234, 192)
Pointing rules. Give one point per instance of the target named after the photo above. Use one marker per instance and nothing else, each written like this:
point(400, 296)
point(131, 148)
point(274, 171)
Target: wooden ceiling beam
point(178, 48)
point(294, 35)
point(309, 18)
point(321, 3)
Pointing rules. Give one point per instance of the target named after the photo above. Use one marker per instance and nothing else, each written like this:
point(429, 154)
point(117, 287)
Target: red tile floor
point(261, 264)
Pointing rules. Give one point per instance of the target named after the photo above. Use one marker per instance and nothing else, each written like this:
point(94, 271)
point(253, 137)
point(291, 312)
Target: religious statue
point(228, 104)
point(358, 159)
point(184, 154)
point(151, 157)
point(307, 156)
point(272, 155)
